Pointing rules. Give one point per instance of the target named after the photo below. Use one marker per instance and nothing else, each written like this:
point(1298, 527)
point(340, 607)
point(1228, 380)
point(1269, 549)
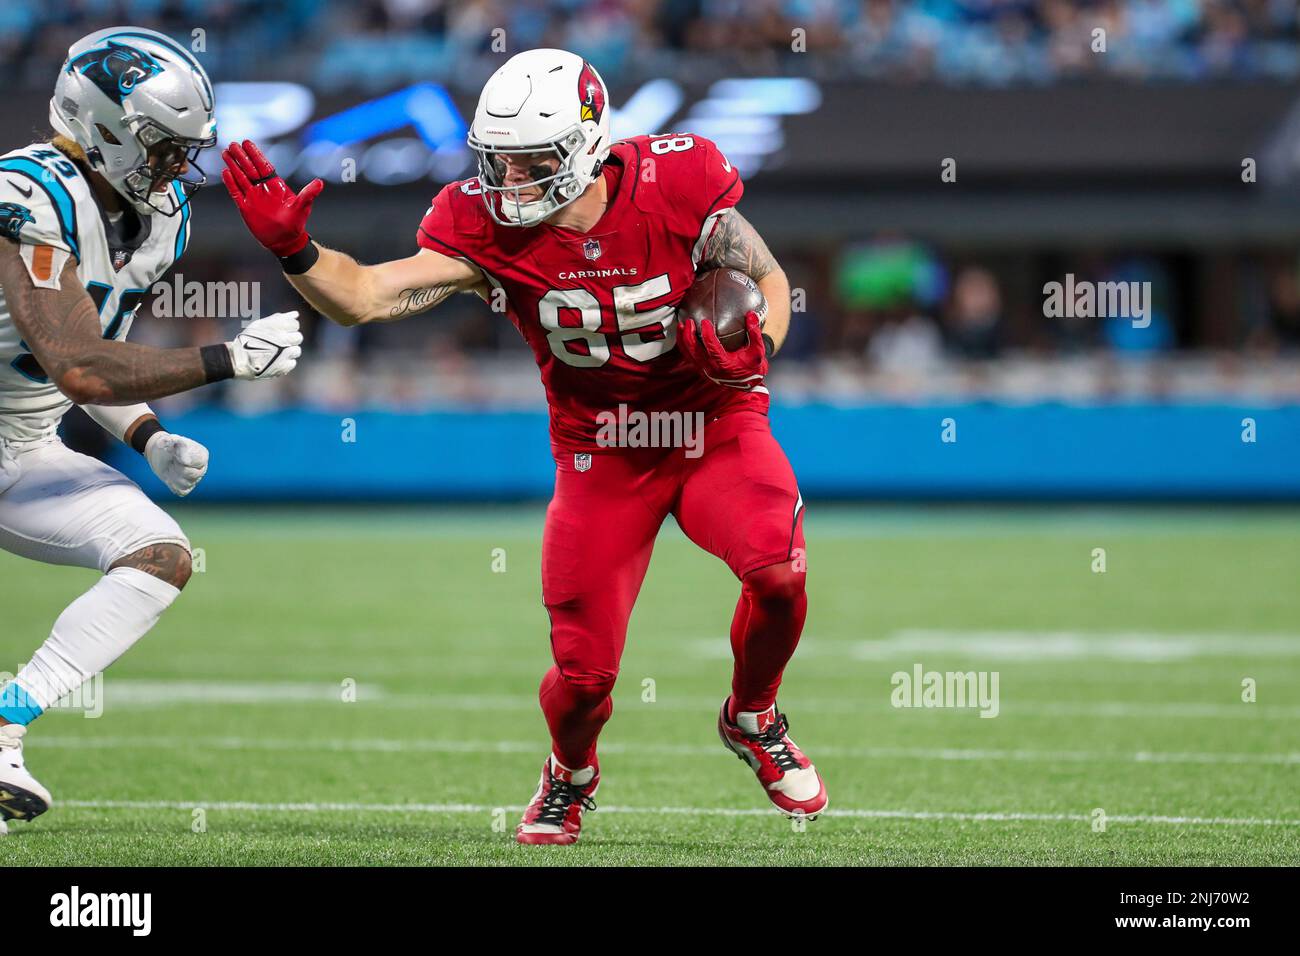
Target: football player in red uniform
point(592, 243)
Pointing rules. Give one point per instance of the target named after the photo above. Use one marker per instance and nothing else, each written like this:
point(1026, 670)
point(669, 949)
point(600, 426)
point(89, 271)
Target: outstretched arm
point(337, 285)
point(735, 244)
point(61, 328)
point(350, 293)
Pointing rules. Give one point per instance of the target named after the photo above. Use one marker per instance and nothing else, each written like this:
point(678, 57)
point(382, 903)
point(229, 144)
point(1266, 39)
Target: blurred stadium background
point(922, 299)
point(919, 301)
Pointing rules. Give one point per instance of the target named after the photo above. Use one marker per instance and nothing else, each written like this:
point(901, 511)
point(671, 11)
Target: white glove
point(180, 462)
point(267, 348)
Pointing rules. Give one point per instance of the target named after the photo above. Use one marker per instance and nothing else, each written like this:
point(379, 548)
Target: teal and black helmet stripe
point(176, 48)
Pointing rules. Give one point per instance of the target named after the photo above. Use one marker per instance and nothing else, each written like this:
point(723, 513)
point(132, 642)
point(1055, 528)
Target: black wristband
point(768, 345)
point(217, 363)
point(143, 432)
point(300, 261)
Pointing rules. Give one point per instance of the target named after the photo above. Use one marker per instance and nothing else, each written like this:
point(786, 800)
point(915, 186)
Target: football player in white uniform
point(88, 222)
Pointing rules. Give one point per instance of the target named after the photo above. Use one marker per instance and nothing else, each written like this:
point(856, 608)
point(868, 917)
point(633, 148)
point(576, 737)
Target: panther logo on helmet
point(591, 93)
point(13, 217)
point(117, 69)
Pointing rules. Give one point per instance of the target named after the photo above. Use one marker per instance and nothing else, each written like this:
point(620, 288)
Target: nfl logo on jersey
point(591, 248)
point(582, 461)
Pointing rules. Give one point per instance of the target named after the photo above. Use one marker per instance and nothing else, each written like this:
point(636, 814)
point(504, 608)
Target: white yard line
point(142, 694)
point(1069, 645)
point(121, 695)
point(1142, 647)
point(878, 707)
point(1123, 709)
point(397, 745)
point(449, 808)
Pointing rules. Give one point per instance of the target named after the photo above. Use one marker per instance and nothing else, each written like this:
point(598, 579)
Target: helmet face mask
point(545, 103)
point(141, 108)
point(559, 187)
point(168, 159)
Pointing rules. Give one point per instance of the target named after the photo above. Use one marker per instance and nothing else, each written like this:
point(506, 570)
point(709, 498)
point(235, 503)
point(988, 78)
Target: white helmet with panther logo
point(125, 93)
point(540, 101)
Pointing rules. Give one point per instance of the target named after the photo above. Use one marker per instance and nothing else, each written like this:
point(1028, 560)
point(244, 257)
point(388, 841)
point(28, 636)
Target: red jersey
point(597, 307)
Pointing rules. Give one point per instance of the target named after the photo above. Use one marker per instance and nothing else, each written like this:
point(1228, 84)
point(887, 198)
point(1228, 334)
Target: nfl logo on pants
point(582, 461)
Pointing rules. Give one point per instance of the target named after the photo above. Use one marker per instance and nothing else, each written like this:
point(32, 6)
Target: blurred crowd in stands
point(376, 43)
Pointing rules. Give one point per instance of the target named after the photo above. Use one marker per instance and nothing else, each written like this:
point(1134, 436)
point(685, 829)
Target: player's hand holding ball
point(720, 329)
point(267, 348)
point(273, 213)
point(178, 461)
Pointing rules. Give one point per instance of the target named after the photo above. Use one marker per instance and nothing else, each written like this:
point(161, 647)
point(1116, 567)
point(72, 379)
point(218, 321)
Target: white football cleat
point(21, 795)
point(554, 815)
point(789, 779)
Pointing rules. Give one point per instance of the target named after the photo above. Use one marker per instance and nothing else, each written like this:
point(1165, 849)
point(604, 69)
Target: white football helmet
point(540, 101)
point(125, 91)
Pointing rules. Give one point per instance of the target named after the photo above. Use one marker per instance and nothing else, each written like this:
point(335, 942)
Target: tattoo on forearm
point(735, 244)
point(410, 301)
point(61, 328)
point(123, 373)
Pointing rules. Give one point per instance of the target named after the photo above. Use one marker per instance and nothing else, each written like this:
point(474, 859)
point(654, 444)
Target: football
point(724, 296)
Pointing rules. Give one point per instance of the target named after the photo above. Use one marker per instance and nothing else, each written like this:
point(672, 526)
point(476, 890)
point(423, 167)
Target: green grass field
point(225, 737)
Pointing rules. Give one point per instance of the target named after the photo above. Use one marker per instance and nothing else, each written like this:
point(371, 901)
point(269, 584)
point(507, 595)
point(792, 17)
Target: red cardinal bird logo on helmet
point(591, 94)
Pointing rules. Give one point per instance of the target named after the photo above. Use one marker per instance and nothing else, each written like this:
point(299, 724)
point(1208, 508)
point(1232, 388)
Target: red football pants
point(737, 500)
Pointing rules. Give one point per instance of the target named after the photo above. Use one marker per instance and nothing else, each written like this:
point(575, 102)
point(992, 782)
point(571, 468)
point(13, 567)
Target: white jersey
point(45, 200)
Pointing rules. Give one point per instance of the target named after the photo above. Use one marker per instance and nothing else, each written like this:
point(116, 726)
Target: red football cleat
point(554, 815)
point(789, 779)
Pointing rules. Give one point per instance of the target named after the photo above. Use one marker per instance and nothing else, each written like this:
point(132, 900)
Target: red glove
point(273, 214)
point(744, 368)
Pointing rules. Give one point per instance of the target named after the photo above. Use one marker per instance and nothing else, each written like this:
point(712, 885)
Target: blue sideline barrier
point(1038, 451)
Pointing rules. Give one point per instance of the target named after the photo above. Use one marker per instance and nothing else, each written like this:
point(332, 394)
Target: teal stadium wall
point(1174, 452)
